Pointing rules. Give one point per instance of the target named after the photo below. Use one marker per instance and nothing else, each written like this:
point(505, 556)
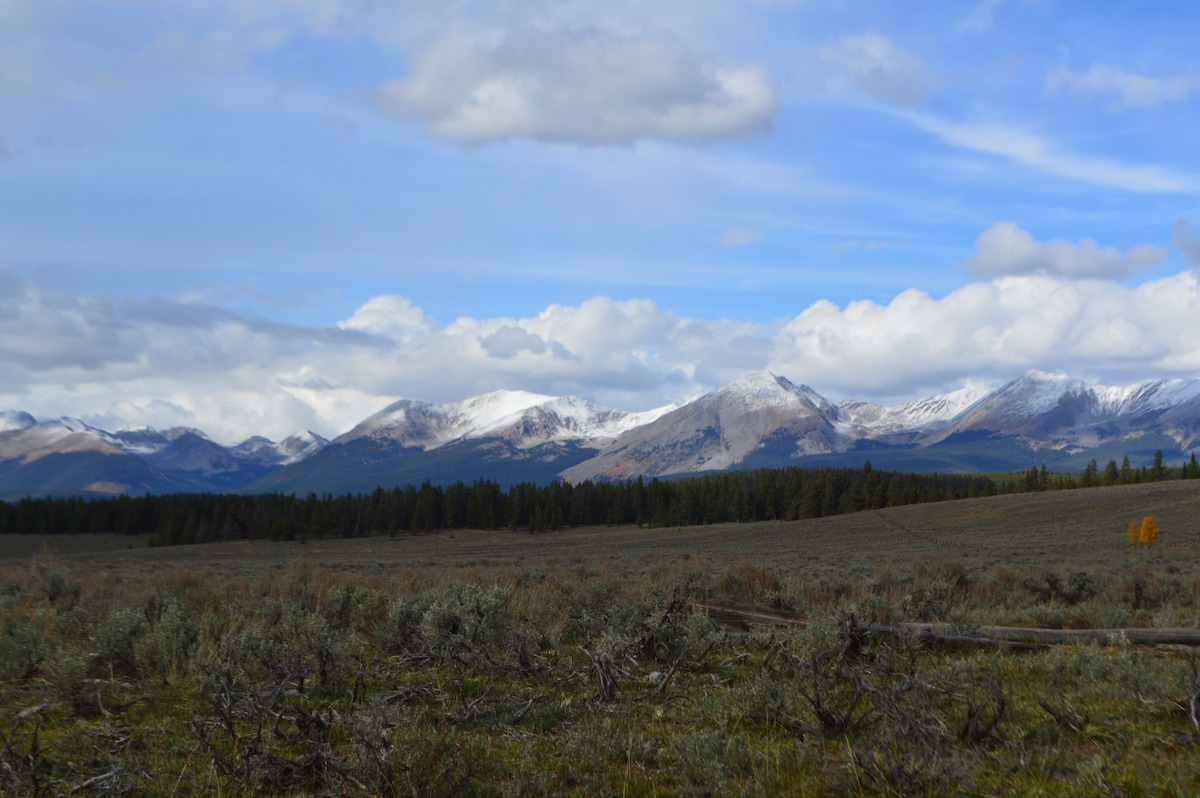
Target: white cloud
point(994, 330)
point(390, 315)
point(878, 67)
point(1006, 249)
point(166, 363)
point(119, 362)
point(1132, 90)
point(1034, 151)
point(583, 86)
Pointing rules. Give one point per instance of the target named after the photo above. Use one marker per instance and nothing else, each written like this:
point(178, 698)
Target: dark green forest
point(738, 496)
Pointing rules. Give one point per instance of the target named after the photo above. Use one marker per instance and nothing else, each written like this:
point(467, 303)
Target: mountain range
point(759, 420)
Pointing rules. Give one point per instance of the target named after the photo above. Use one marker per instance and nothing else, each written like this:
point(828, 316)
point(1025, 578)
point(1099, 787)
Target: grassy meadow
point(576, 663)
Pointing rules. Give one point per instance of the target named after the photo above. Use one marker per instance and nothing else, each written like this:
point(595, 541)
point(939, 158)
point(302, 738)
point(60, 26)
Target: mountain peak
point(763, 389)
point(11, 420)
point(760, 382)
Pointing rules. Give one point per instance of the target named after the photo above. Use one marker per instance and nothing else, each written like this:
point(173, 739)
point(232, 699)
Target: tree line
point(735, 496)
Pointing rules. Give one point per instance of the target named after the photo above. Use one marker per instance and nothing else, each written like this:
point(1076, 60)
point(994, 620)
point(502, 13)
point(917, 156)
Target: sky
point(264, 216)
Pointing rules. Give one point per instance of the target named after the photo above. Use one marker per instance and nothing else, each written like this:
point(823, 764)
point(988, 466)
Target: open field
point(573, 662)
point(1024, 534)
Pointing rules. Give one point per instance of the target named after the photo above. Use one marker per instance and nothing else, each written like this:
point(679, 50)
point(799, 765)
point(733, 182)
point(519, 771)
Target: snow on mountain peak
point(524, 418)
point(11, 420)
point(55, 436)
point(914, 415)
point(762, 389)
point(1038, 392)
point(759, 383)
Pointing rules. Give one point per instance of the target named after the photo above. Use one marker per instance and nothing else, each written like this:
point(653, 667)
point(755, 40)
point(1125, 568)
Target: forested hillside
point(767, 494)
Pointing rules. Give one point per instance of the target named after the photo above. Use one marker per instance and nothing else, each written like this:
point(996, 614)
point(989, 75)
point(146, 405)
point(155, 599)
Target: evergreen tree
point(1158, 471)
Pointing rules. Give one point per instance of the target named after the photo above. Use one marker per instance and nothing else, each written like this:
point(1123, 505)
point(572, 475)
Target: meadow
point(578, 662)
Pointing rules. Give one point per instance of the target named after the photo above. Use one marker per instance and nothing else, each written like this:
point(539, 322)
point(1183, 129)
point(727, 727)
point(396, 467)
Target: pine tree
point(1090, 474)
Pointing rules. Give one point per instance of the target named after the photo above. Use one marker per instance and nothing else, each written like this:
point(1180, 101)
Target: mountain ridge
point(760, 419)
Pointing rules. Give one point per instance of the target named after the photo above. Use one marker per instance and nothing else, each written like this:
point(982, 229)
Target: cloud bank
point(165, 363)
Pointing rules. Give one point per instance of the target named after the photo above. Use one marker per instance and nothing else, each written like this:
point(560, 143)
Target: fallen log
point(1020, 634)
point(740, 617)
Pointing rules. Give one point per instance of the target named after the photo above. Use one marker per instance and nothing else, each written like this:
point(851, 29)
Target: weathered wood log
point(739, 617)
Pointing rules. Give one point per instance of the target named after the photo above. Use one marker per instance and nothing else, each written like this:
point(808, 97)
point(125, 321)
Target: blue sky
point(270, 215)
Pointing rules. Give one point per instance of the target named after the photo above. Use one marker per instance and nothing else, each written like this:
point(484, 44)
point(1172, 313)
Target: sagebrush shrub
point(115, 643)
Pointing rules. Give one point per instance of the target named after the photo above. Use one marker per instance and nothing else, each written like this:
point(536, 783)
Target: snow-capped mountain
point(917, 416)
point(519, 417)
point(1056, 411)
point(290, 450)
point(720, 429)
point(68, 455)
point(147, 440)
point(759, 420)
point(59, 436)
point(12, 420)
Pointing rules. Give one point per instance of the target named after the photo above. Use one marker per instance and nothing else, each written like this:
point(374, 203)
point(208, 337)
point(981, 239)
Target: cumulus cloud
point(1006, 249)
point(509, 342)
point(392, 316)
point(878, 67)
point(164, 363)
point(582, 86)
point(994, 330)
point(1132, 90)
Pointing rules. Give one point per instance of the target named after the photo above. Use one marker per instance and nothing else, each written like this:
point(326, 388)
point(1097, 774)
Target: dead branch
point(1064, 715)
point(603, 666)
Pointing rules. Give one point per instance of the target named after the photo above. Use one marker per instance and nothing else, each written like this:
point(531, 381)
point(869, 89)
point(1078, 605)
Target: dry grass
point(572, 663)
point(998, 541)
